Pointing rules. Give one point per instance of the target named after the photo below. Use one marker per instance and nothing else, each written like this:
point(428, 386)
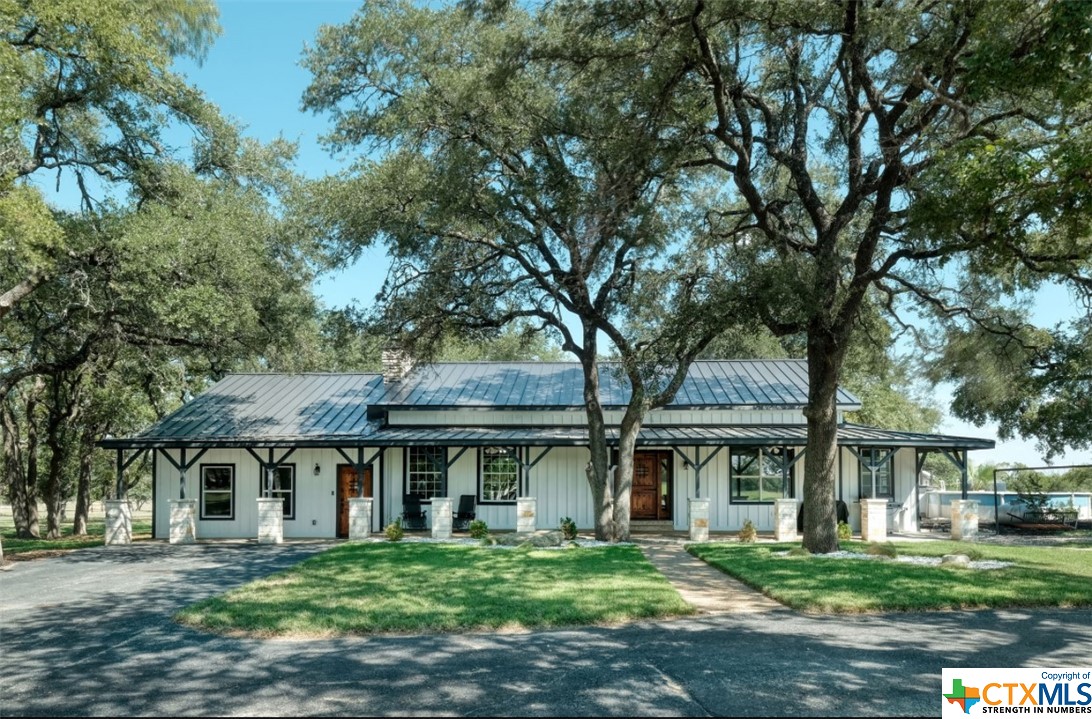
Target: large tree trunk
point(28, 490)
point(56, 494)
point(623, 474)
point(83, 483)
point(824, 366)
point(598, 469)
point(14, 478)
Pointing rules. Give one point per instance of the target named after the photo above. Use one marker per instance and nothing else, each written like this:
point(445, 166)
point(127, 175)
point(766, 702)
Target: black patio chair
point(413, 517)
point(840, 508)
point(465, 514)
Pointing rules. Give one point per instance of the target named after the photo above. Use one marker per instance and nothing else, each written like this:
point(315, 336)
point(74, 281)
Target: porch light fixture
point(318, 469)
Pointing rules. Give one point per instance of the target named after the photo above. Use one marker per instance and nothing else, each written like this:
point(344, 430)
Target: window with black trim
point(426, 472)
point(217, 491)
point(883, 484)
point(284, 487)
point(500, 473)
point(758, 474)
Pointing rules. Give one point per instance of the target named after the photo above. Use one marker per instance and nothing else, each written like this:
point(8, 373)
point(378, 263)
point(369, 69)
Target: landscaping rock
point(959, 560)
point(544, 538)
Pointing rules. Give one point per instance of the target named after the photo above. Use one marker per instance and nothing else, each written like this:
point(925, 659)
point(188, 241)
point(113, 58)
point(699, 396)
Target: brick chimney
point(396, 365)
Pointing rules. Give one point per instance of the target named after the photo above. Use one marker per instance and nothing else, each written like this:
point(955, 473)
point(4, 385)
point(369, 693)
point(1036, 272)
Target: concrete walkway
point(710, 590)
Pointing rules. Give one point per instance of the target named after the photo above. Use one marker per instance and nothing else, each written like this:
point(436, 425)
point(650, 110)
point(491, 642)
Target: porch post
point(182, 467)
point(120, 480)
point(360, 471)
point(963, 477)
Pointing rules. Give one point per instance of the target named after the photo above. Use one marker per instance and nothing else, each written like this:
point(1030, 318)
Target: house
point(501, 431)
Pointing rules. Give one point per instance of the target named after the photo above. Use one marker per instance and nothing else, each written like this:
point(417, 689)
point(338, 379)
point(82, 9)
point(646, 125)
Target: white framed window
point(499, 474)
point(217, 491)
point(426, 472)
point(284, 488)
point(758, 474)
point(872, 461)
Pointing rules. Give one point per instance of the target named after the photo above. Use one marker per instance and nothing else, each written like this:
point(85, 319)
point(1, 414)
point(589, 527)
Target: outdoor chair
point(840, 508)
point(465, 514)
point(413, 517)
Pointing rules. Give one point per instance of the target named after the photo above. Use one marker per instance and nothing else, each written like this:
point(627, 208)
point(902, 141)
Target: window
point(217, 491)
point(284, 487)
point(500, 472)
point(882, 460)
point(757, 474)
point(426, 472)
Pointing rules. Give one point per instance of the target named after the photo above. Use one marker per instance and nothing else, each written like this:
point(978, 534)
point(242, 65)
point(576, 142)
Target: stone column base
point(119, 521)
point(441, 517)
point(874, 520)
point(965, 519)
point(785, 511)
point(360, 517)
point(183, 521)
point(526, 515)
point(697, 511)
point(270, 520)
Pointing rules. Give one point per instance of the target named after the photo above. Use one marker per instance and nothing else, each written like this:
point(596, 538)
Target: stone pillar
point(183, 521)
point(785, 511)
point(874, 520)
point(270, 520)
point(441, 517)
point(360, 517)
point(965, 519)
point(697, 511)
point(119, 521)
point(526, 515)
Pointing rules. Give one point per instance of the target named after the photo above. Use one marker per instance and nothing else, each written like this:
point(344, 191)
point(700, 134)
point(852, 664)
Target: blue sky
point(253, 74)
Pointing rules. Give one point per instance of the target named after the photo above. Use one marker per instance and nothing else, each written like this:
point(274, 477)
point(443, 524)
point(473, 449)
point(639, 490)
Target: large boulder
point(541, 538)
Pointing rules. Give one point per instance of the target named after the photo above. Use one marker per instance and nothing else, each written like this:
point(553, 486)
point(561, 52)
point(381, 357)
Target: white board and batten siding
point(558, 482)
point(316, 496)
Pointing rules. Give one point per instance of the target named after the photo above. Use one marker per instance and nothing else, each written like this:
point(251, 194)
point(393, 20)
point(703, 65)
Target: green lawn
point(410, 587)
point(1056, 576)
point(16, 549)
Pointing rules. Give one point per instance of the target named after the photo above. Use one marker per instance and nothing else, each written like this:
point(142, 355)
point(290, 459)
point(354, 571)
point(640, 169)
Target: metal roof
point(267, 409)
point(709, 384)
point(692, 435)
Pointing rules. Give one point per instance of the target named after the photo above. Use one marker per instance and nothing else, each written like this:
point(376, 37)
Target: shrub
point(479, 529)
point(568, 528)
point(887, 549)
point(799, 552)
point(394, 531)
point(844, 531)
point(973, 554)
point(748, 533)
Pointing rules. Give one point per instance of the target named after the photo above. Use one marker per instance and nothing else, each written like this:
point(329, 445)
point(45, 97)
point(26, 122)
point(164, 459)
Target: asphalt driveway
point(90, 633)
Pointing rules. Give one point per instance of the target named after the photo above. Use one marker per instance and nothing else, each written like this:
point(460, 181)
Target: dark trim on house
point(155, 481)
point(789, 481)
point(295, 485)
point(201, 491)
point(519, 476)
point(443, 476)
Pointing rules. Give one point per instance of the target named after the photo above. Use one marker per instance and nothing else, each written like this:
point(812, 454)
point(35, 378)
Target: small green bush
point(799, 552)
point(748, 533)
point(974, 555)
point(568, 528)
point(887, 549)
point(394, 531)
point(844, 531)
point(479, 529)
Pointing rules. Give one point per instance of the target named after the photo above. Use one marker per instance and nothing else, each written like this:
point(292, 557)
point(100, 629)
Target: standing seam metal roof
point(538, 385)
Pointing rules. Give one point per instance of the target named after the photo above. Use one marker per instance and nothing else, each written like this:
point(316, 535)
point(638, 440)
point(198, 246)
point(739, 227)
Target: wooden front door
point(346, 477)
point(645, 494)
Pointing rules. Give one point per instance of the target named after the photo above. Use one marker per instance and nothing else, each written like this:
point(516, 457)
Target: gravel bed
point(921, 561)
